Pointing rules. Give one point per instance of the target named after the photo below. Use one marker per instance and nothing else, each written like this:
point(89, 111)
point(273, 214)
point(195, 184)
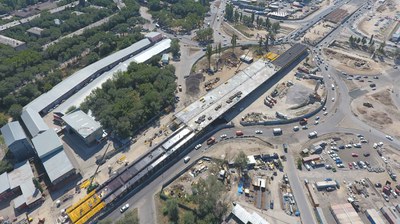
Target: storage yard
point(347, 172)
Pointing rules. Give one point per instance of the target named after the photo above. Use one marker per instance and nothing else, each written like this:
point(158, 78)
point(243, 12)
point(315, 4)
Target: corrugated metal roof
point(12, 132)
point(33, 122)
point(78, 77)
point(246, 217)
point(22, 176)
point(156, 49)
point(374, 215)
point(345, 213)
point(47, 143)
point(81, 123)
point(5, 184)
point(152, 34)
point(57, 165)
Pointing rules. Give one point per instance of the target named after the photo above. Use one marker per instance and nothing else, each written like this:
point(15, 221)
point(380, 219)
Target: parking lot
point(359, 170)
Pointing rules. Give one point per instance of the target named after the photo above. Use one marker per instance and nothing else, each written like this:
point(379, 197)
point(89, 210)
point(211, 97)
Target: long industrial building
point(214, 104)
point(54, 159)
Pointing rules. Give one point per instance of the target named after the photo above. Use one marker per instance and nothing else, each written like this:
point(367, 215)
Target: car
point(340, 165)
point(389, 137)
point(325, 113)
point(304, 127)
point(271, 204)
point(333, 99)
point(328, 167)
point(329, 189)
point(259, 132)
point(317, 118)
point(341, 147)
point(366, 154)
point(353, 154)
point(350, 165)
point(316, 122)
point(197, 146)
point(296, 128)
point(305, 181)
point(124, 208)
point(378, 185)
point(223, 136)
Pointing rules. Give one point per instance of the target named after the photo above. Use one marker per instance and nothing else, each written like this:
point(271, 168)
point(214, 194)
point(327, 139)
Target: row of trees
point(235, 16)
point(362, 42)
point(127, 102)
point(26, 74)
point(186, 14)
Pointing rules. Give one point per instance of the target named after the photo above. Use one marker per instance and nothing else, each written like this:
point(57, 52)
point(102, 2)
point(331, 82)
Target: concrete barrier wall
point(292, 120)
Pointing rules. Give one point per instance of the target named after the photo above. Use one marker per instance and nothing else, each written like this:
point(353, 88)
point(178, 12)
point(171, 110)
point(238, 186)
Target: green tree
point(266, 43)
point(188, 218)
point(267, 24)
point(229, 13)
point(237, 15)
point(219, 48)
point(5, 166)
point(70, 109)
point(233, 42)
point(364, 40)
point(252, 18)
point(396, 55)
point(15, 111)
point(175, 48)
point(241, 161)
point(351, 40)
point(275, 27)
point(172, 208)
point(3, 119)
point(299, 164)
point(381, 48)
point(371, 39)
point(209, 53)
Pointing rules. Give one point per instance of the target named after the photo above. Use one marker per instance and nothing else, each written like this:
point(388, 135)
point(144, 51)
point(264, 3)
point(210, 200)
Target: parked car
point(124, 208)
point(259, 132)
point(197, 146)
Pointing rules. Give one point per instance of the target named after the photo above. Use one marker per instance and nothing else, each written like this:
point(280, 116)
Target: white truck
point(313, 134)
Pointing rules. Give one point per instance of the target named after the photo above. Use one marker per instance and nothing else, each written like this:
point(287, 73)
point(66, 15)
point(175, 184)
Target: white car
point(197, 146)
point(259, 132)
point(304, 127)
point(124, 208)
point(223, 136)
point(389, 137)
point(296, 128)
point(333, 99)
point(316, 123)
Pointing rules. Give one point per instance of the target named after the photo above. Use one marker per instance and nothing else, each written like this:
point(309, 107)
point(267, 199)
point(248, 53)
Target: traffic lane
point(159, 178)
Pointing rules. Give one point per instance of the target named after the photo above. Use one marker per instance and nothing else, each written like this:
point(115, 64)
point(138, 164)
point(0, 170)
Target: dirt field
point(318, 31)
point(227, 150)
point(352, 63)
point(381, 23)
point(384, 115)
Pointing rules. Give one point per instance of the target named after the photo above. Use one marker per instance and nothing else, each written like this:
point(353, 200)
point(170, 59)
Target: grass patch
point(243, 29)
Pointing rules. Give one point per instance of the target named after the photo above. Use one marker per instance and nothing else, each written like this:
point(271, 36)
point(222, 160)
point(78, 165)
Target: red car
point(354, 154)
point(350, 166)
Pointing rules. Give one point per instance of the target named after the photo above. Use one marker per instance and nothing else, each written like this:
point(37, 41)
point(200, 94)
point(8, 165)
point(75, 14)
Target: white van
point(186, 159)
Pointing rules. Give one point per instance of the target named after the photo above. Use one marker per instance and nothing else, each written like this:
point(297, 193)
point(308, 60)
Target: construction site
point(300, 92)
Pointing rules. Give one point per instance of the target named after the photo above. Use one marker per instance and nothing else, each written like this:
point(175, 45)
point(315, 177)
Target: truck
point(211, 141)
point(313, 134)
point(303, 121)
point(277, 131)
point(239, 133)
point(285, 147)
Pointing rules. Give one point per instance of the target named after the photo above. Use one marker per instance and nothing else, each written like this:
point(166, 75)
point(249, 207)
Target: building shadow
point(60, 190)
point(84, 151)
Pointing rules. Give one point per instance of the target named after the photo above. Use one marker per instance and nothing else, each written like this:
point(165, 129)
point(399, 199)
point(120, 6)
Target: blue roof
point(12, 132)
point(57, 165)
point(47, 143)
